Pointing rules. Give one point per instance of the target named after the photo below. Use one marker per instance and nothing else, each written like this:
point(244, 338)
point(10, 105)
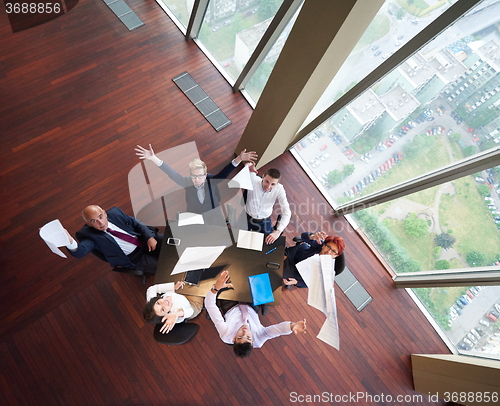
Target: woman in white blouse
point(165, 306)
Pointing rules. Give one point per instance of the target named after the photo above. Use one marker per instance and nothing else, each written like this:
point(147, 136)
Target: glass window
point(179, 10)
point(394, 25)
point(232, 29)
point(469, 316)
point(439, 106)
point(259, 79)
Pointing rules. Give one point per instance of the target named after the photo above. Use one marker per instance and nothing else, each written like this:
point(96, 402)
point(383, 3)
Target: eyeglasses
point(198, 176)
point(331, 250)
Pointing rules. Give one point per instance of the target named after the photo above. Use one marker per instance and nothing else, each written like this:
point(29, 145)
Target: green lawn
point(419, 249)
point(467, 216)
point(464, 213)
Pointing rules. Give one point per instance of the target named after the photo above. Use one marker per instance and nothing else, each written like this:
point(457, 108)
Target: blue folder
point(260, 287)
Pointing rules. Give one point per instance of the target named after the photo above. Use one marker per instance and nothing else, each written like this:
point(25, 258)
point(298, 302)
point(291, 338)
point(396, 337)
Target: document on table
point(241, 180)
point(55, 236)
point(250, 240)
point(197, 258)
point(318, 272)
point(187, 218)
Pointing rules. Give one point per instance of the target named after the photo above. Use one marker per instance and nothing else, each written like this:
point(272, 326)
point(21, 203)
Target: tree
point(470, 150)
point(348, 170)
point(475, 258)
point(442, 264)
point(400, 14)
point(335, 177)
point(444, 240)
point(415, 227)
point(484, 190)
point(268, 8)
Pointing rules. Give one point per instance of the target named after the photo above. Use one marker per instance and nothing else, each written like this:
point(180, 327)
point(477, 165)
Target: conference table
point(240, 262)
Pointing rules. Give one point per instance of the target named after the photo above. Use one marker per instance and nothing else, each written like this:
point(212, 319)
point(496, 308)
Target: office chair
point(180, 334)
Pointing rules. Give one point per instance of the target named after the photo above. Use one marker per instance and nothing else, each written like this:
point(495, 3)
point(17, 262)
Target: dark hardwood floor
point(77, 94)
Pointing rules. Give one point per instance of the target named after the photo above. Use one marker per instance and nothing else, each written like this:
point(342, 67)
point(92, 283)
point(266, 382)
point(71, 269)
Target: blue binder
point(260, 287)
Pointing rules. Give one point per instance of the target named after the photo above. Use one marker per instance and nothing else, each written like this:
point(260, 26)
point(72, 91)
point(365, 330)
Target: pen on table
point(270, 250)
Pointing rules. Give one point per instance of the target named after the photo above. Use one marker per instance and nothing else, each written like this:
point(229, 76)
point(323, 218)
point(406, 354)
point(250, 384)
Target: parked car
point(475, 333)
point(468, 342)
point(478, 179)
point(430, 118)
point(377, 53)
point(490, 317)
point(325, 157)
point(497, 307)
point(484, 323)
point(323, 147)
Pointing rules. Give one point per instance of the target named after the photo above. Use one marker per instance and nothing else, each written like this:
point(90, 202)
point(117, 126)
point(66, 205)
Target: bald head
point(95, 217)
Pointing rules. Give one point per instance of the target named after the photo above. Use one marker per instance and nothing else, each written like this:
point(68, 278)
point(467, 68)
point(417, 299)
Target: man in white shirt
point(165, 306)
point(241, 326)
point(260, 202)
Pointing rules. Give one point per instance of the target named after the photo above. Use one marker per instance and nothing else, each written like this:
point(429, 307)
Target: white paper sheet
point(54, 235)
point(250, 240)
point(187, 218)
point(197, 258)
point(241, 180)
point(318, 272)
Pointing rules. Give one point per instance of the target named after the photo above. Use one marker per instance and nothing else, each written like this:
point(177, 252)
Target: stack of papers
point(318, 273)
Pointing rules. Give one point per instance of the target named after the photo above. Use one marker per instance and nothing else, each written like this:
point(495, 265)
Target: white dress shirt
point(260, 204)
point(178, 301)
point(228, 326)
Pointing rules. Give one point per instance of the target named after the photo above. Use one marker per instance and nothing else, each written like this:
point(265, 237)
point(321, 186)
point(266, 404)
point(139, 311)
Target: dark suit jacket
point(104, 246)
point(212, 196)
point(304, 250)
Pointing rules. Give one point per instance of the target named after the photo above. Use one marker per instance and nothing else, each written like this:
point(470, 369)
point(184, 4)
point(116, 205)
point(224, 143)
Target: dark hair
point(149, 312)
point(273, 173)
point(242, 350)
point(338, 241)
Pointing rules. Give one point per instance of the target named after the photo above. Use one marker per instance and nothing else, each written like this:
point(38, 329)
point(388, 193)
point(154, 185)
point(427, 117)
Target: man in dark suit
point(116, 238)
point(202, 194)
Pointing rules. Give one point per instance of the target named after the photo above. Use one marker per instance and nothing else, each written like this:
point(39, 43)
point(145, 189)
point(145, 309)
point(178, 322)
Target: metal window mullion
point(467, 166)
point(196, 18)
point(278, 24)
point(455, 277)
point(442, 22)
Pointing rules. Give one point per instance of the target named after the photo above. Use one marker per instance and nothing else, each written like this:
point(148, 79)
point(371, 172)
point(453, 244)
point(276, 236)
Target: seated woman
point(165, 306)
point(312, 244)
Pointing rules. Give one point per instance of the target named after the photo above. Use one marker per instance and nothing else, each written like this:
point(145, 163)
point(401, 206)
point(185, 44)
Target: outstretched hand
point(169, 324)
point(247, 156)
point(144, 153)
point(319, 237)
point(299, 327)
point(222, 281)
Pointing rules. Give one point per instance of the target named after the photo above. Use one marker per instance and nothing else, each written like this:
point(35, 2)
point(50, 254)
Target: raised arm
point(149, 154)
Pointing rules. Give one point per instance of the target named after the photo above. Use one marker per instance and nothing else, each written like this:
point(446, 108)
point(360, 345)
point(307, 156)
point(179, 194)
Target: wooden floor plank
point(78, 93)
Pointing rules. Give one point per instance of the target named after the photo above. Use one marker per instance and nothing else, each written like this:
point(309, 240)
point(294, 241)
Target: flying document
point(319, 274)
point(241, 180)
point(55, 236)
